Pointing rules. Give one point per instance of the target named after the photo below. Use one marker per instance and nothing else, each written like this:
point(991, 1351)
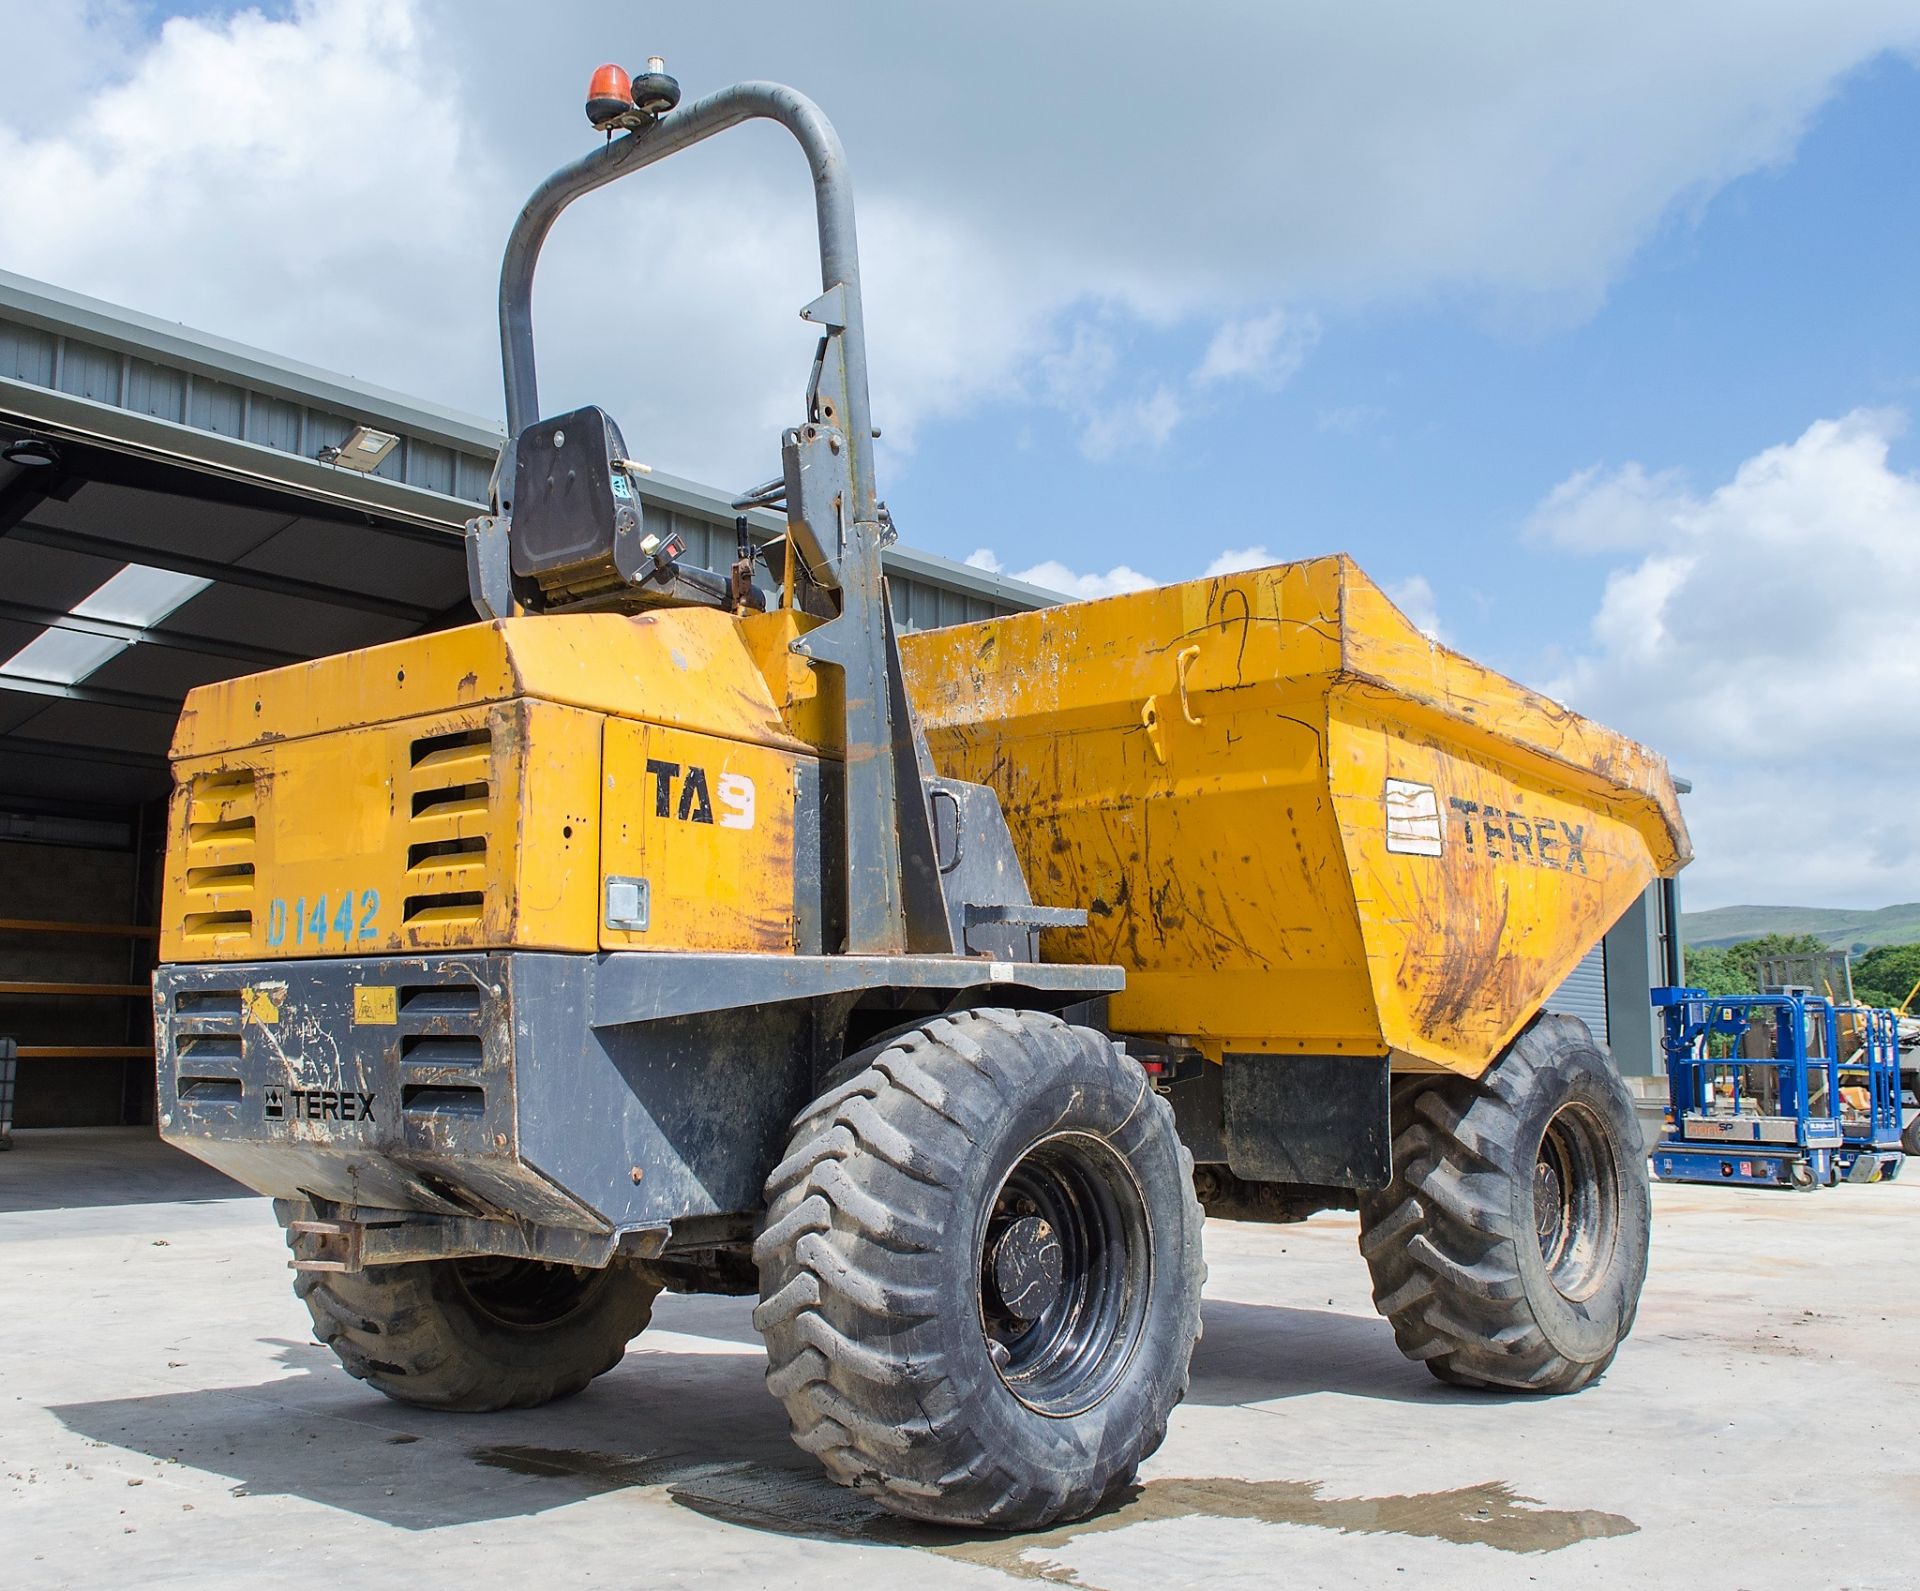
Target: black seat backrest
point(575, 514)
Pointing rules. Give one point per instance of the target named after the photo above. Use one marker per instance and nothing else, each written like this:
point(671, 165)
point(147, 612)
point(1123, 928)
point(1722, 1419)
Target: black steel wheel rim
point(1576, 1201)
point(1065, 1269)
point(513, 1292)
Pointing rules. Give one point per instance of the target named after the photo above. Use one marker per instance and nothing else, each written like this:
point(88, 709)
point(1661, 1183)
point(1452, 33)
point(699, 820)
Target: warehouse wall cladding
point(176, 509)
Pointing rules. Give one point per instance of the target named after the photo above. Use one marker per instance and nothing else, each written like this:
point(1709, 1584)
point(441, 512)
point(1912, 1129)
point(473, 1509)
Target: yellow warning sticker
point(375, 1005)
point(260, 1005)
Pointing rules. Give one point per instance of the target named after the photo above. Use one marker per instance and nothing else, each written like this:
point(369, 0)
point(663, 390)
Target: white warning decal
point(1413, 818)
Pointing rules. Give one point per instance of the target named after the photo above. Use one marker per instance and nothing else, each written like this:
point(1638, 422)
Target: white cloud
point(1078, 373)
point(1769, 647)
point(1078, 377)
point(1414, 597)
point(1124, 427)
point(1601, 511)
point(1350, 419)
point(1266, 350)
point(1079, 366)
point(310, 184)
point(335, 181)
point(1053, 575)
point(58, 55)
point(1056, 576)
point(1234, 559)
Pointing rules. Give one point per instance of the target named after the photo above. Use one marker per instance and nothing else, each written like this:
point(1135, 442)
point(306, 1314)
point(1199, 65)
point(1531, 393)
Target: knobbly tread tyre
point(869, 1267)
point(1451, 1244)
point(414, 1332)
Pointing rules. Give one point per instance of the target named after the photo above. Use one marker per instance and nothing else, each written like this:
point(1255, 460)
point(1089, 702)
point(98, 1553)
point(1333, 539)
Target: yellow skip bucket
point(1298, 823)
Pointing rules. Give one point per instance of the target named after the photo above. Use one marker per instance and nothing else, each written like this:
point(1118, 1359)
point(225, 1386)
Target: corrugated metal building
point(1608, 990)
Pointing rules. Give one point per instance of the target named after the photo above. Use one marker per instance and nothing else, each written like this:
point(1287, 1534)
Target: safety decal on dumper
point(1413, 818)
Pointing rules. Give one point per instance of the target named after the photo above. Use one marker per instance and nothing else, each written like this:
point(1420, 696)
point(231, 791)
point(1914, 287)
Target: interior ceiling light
point(364, 450)
point(138, 596)
point(32, 451)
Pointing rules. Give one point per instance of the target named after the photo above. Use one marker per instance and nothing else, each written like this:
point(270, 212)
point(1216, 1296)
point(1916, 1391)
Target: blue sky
point(1421, 436)
point(1590, 332)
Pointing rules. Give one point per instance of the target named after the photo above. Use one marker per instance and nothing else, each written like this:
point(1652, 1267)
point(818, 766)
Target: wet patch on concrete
point(803, 1502)
point(1489, 1515)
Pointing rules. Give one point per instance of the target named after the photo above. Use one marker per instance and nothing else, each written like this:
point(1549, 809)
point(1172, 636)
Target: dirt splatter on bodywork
point(1299, 824)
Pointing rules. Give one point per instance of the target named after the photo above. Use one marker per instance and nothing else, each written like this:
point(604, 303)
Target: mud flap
point(1307, 1118)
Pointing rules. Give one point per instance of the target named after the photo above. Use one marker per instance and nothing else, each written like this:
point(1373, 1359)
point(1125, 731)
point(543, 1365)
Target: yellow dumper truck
point(671, 929)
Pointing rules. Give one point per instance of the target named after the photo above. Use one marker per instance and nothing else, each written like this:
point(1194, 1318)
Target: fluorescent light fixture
point(138, 596)
point(141, 595)
point(364, 450)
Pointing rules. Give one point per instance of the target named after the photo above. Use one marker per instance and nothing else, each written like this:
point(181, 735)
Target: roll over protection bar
point(680, 129)
point(895, 900)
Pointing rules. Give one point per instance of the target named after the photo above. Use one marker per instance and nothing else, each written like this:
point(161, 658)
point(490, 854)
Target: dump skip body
point(1298, 823)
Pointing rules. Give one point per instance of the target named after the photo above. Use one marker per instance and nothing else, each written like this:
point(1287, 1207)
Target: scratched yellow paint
point(445, 792)
point(454, 829)
point(690, 667)
point(709, 824)
point(1212, 770)
point(1206, 769)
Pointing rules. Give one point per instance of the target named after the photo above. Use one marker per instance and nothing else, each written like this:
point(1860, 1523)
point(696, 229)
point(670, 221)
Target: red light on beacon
point(609, 95)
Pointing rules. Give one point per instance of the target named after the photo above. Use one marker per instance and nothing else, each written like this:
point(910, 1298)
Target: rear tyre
point(475, 1335)
point(1910, 1138)
point(980, 1272)
point(1510, 1247)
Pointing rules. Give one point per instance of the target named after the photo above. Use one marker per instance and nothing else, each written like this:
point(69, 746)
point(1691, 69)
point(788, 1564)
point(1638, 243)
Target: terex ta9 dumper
point(658, 931)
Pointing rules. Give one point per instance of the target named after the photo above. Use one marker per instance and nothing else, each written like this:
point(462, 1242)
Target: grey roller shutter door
point(1584, 994)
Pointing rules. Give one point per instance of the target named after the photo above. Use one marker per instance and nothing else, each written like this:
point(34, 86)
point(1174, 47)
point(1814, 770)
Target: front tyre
point(980, 1272)
point(1510, 1246)
point(475, 1335)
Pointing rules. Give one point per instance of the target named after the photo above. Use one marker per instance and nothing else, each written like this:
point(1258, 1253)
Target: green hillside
point(1835, 928)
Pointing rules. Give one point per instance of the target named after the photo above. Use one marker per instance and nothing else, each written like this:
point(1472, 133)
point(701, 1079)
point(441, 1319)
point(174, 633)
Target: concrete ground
point(166, 1420)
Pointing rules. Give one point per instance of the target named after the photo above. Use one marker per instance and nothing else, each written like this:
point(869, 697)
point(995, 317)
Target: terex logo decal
point(319, 1104)
point(695, 804)
point(1511, 837)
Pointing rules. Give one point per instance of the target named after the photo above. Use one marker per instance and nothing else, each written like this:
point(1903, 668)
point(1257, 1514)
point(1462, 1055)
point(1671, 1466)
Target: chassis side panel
point(607, 1093)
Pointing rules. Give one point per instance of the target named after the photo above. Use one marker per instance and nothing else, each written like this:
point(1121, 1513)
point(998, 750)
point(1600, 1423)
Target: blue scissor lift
point(1869, 1094)
point(1754, 1084)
